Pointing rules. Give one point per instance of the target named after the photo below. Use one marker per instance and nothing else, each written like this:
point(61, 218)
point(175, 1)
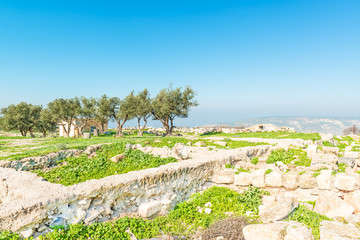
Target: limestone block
point(258, 178)
point(331, 230)
point(277, 210)
point(298, 231)
point(118, 158)
point(311, 150)
point(349, 161)
point(324, 180)
point(332, 206)
point(273, 179)
point(351, 154)
point(221, 143)
point(243, 179)
point(331, 150)
point(320, 158)
point(347, 181)
point(291, 180)
point(307, 181)
point(150, 209)
point(225, 176)
point(354, 200)
point(269, 231)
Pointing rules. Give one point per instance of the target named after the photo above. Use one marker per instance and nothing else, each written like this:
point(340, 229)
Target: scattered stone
point(150, 209)
point(311, 150)
point(331, 150)
point(273, 179)
point(354, 200)
point(324, 180)
point(128, 146)
point(118, 158)
point(243, 179)
point(200, 144)
point(269, 231)
point(298, 231)
point(207, 210)
point(332, 206)
point(291, 180)
point(331, 230)
point(347, 181)
point(225, 176)
point(277, 210)
point(307, 180)
point(221, 143)
point(258, 178)
point(351, 154)
point(349, 161)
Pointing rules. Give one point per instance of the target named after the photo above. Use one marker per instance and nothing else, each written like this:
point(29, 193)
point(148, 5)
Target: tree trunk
point(171, 126)
point(23, 133)
point(31, 133)
point(119, 128)
point(44, 132)
point(141, 129)
point(66, 134)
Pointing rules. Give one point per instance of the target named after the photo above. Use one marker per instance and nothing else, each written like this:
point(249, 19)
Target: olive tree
point(22, 117)
point(46, 122)
point(104, 110)
point(172, 103)
point(123, 112)
point(142, 109)
point(87, 111)
point(65, 112)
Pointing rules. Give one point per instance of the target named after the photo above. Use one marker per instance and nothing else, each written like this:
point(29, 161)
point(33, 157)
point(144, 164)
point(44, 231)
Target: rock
point(273, 179)
point(243, 179)
point(291, 180)
point(277, 210)
point(331, 150)
point(311, 150)
point(87, 135)
point(332, 206)
point(150, 209)
point(308, 206)
point(118, 158)
point(26, 233)
point(354, 200)
point(347, 181)
point(207, 210)
point(258, 178)
point(349, 161)
point(269, 231)
point(298, 231)
point(128, 146)
point(224, 177)
point(320, 158)
point(307, 181)
point(282, 167)
point(351, 154)
point(58, 221)
point(200, 144)
point(221, 143)
point(181, 151)
point(331, 230)
point(324, 180)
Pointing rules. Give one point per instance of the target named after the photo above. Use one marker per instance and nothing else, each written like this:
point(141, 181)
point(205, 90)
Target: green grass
point(293, 155)
point(278, 135)
point(80, 169)
point(184, 220)
point(311, 219)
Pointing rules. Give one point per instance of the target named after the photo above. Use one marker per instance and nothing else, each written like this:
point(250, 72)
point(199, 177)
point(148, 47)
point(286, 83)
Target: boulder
point(331, 150)
point(354, 200)
point(200, 144)
point(225, 176)
point(349, 161)
point(118, 158)
point(332, 206)
point(181, 151)
point(273, 179)
point(270, 231)
point(324, 180)
point(258, 178)
point(221, 143)
point(150, 209)
point(311, 150)
point(321, 158)
point(298, 231)
point(351, 154)
point(331, 230)
point(347, 181)
point(307, 180)
point(291, 180)
point(243, 179)
point(277, 210)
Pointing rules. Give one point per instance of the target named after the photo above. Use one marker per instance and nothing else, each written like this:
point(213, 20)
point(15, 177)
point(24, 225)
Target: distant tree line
point(170, 103)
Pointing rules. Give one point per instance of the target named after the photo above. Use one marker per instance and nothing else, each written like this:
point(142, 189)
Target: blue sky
point(245, 58)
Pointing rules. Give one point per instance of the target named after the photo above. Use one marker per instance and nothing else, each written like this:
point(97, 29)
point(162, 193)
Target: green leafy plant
point(254, 160)
point(268, 171)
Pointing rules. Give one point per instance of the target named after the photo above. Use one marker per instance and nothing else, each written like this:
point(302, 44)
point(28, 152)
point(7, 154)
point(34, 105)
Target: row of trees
point(169, 104)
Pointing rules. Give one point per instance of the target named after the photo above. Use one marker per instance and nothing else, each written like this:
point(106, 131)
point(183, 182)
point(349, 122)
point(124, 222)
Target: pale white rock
point(243, 179)
point(351, 154)
point(258, 178)
point(291, 180)
point(307, 180)
point(332, 206)
point(321, 158)
point(277, 210)
point(354, 200)
point(331, 230)
point(282, 167)
point(200, 144)
point(26, 233)
point(324, 180)
point(208, 204)
point(331, 150)
point(221, 143)
point(273, 179)
point(347, 181)
point(207, 210)
point(225, 176)
point(311, 150)
point(349, 161)
point(150, 209)
point(269, 231)
point(298, 231)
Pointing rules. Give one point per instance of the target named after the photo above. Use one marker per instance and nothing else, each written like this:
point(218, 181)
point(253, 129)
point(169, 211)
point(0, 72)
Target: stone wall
point(31, 206)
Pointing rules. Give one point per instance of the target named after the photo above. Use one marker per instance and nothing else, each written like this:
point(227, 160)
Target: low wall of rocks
point(29, 205)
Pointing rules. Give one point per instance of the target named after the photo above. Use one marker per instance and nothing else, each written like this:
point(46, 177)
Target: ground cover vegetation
point(293, 155)
point(74, 170)
point(170, 103)
point(186, 219)
point(276, 135)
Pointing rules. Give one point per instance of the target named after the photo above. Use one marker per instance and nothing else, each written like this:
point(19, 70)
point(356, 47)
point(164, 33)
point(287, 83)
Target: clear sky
point(245, 58)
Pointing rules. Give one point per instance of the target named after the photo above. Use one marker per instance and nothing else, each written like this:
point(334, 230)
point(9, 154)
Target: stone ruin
point(31, 206)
